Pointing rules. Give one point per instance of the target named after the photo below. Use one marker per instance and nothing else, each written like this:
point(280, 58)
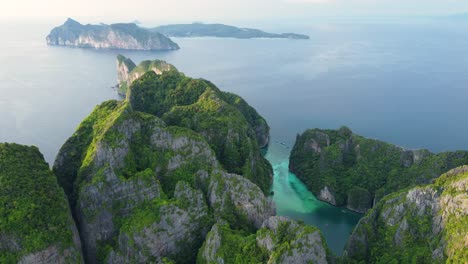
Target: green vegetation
point(356, 170)
point(220, 31)
point(454, 196)
point(228, 125)
point(75, 149)
point(426, 224)
point(235, 247)
point(121, 167)
point(34, 213)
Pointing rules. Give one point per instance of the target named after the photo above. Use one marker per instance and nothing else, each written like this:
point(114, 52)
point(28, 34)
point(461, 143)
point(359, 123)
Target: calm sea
point(402, 83)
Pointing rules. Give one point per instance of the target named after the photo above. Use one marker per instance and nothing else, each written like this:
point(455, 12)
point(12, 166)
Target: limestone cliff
point(345, 169)
point(36, 225)
point(280, 240)
point(234, 130)
point(148, 189)
point(114, 36)
point(128, 71)
point(426, 224)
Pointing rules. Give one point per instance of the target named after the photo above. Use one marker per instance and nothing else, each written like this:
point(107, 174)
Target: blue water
point(402, 83)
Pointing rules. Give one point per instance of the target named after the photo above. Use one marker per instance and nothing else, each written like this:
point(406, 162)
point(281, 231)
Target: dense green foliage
point(354, 167)
point(236, 247)
point(169, 129)
point(228, 125)
point(75, 149)
point(454, 192)
point(400, 230)
point(34, 213)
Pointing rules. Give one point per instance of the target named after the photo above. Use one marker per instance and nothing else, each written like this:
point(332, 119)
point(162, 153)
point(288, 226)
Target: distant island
point(126, 36)
point(220, 31)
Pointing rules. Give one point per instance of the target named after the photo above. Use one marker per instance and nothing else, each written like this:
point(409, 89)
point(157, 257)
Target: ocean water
point(402, 83)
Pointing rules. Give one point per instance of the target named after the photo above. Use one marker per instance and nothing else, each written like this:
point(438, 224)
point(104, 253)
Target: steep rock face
point(146, 177)
point(36, 224)
point(358, 172)
point(326, 196)
point(280, 240)
point(424, 225)
point(226, 121)
point(115, 36)
point(112, 183)
point(290, 242)
point(128, 71)
point(258, 123)
point(137, 177)
point(233, 195)
point(181, 228)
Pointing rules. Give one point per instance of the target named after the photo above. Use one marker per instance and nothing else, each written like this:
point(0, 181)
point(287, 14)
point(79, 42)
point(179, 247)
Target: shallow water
point(292, 199)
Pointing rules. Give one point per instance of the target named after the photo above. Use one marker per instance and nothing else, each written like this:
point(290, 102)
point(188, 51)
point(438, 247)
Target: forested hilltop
point(346, 169)
point(174, 174)
point(36, 225)
point(426, 224)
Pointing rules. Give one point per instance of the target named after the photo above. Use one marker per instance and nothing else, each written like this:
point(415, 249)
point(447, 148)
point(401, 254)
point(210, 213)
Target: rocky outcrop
point(424, 224)
point(144, 191)
point(179, 232)
point(326, 196)
point(234, 195)
point(280, 240)
point(114, 36)
point(290, 242)
point(128, 71)
point(226, 121)
point(345, 169)
point(36, 224)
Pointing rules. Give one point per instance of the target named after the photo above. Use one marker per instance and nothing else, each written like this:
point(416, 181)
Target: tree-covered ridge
point(426, 224)
point(280, 240)
point(233, 128)
point(35, 217)
point(197, 104)
point(346, 169)
point(133, 178)
point(115, 36)
point(220, 31)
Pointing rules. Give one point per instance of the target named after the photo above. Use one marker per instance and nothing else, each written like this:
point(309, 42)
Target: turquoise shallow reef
point(294, 200)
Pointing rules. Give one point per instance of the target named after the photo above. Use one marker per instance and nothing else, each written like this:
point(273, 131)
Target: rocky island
point(220, 31)
point(115, 36)
point(345, 169)
point(173, 173)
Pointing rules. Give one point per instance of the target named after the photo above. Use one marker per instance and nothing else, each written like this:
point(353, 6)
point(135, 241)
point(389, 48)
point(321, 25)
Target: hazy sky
point(225, 10)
